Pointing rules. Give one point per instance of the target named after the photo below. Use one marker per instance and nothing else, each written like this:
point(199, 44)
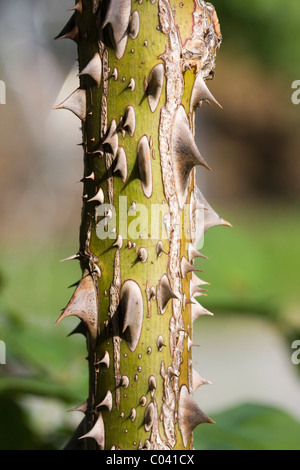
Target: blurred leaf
point(15, 430)
point(265, 30)
point(249, 427)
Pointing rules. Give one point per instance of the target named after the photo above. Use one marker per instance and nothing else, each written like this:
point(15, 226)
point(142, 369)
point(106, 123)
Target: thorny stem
point(143, 67)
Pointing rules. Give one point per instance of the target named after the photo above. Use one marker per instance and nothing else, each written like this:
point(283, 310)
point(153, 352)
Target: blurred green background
point(252, 146)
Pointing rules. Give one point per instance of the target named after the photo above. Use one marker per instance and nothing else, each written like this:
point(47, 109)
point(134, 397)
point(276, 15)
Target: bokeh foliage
point(253, 267)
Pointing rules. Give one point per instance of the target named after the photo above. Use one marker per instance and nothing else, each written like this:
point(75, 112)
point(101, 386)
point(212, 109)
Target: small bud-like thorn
point(145, 165)
point(83, 304)
point(124, 381)
point(97, 432)
point(115, 74)
point(128, 122)
point(185, 153)
point(107, 401)
point(152, 293)
point(131, 311)
point(97, 270)
point(117, 17)
point(77, 7)
point(89, 177)
point(119, 242)
point(70, 31)
point(143, 255)
point(197, 310)
point(76, 103)
point(105, 360)
point(155, 85)
point(121, 165)
point(160, 248)
point(133, 415)
point(149, 417)
point(143, 400)
point(99, 197)
point(186, 267)
point(164, 294)
point(198, 381)
point(131, 84)
point(189, 415)
point(93, 69)
point(152, 385)
point(111, 138)
point(201, 93)
point(134, 25)
point(160, 343)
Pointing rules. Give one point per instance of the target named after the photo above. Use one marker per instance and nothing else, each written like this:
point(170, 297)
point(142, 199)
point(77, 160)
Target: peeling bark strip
point(143, 68)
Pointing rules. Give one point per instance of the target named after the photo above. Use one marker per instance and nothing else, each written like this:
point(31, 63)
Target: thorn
point(119, 242)
point(197, 281)
point(155, 86)
point(164, 294)
point(93, 69)
point(99, 197)
point(134, 25)
point(105, 360)
point(76, 103)
point(82, 408)
point(160, 343)
point(77, 256)
point(70, 31)
point(197, 310)
point(77, 7)
point(198, 381)
point(189, 415)
point(190, 344)
point(111, 138)
point(193, 253)
point(185, 154)
point(152, 385)
point(145, 165)
point(90, 177)
point(107, 401)
point(115, 74)
point(97, 432)
point(83, 304)
point(142, 255)
point(117, 17)
point(201, 93)
point(128, 121)
point(131, 84)
point(131, 310)
point(187, 267)
point(211, 218)
point(149, 417)
point(124, 381)
point(121, 165)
